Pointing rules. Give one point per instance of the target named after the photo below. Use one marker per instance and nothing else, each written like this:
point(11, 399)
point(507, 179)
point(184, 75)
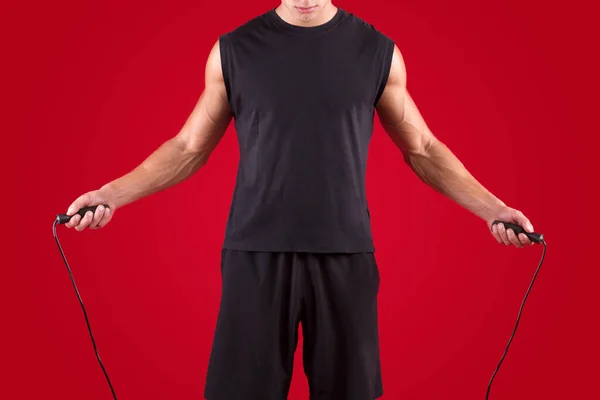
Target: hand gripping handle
point(533, 236)
point(64, 218)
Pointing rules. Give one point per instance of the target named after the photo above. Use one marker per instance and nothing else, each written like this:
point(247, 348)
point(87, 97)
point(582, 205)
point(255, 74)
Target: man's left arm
point(435, 164)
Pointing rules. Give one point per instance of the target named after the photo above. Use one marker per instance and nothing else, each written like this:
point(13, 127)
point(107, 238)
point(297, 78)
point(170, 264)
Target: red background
point(93, 88)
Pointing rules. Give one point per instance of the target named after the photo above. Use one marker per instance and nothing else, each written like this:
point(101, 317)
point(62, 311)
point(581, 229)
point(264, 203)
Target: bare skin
point(435, 164)
point(180, 157)
point(306, 12)
point(173, 162)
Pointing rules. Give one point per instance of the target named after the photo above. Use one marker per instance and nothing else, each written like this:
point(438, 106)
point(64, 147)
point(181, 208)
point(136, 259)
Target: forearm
point(170, 164)
point(439, 168)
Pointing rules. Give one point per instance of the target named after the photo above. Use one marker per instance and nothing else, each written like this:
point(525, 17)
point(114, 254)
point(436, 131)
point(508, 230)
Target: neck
point(319, 17)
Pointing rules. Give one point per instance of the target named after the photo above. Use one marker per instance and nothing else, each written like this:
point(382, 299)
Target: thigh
point(256, 333)
point(339, 324)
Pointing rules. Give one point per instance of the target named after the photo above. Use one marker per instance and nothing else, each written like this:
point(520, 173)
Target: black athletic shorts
point(266, 295)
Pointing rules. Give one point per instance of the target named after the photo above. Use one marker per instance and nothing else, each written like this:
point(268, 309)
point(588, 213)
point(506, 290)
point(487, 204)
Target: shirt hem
point(298, 248)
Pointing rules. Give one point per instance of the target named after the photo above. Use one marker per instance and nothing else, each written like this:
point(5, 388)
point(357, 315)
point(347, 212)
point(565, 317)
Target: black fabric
point(303, 102)
point(266, 295)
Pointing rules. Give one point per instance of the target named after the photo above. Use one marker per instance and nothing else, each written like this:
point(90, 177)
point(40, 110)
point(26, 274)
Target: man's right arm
point(174, 161)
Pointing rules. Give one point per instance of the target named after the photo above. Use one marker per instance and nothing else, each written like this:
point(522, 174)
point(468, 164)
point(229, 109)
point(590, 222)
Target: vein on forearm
point(176, 159)
point(175, 164)
point(435, 164)
point(428, 157)
point(170, 164)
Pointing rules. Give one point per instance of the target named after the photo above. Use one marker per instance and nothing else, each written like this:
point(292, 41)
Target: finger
point(495, 233)
point(73, 221)
point(514, 240)
point(502, 234)
point(85, 221)
point(525, 240)
point(105, 218)
point(97, 216)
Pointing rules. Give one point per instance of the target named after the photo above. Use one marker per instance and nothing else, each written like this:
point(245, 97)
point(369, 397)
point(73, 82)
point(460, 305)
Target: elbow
point(191, 150)
point(198, 156)
point(429, 145)
point(421, 149)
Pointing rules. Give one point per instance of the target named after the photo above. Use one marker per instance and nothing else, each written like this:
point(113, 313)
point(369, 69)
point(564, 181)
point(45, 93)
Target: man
point(302, 83)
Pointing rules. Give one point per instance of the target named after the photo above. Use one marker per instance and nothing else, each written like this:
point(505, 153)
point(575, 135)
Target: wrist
point(108, 193)
point(492, 211)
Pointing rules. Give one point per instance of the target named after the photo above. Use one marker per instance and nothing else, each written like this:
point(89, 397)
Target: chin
point(306, 16)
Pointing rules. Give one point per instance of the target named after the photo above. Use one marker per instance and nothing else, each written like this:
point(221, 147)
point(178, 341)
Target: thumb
point(523, 221)
point(82, 201)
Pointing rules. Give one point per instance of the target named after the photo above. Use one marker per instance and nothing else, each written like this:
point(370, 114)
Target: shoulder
point(249, 27)
point(366, 28)
point(397, 75)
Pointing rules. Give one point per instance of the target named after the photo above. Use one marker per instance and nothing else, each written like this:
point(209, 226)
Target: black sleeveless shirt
point(303, 103)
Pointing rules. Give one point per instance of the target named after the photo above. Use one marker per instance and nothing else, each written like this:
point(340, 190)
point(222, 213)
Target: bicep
point(398, 113)
point(211, 116)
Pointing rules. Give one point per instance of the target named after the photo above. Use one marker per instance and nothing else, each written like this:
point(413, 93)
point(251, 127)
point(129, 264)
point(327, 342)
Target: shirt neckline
point(280, 22)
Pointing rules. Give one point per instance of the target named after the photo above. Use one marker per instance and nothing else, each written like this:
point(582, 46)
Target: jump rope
point(534, 237)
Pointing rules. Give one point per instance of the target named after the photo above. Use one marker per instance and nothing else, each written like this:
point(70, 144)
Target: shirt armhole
point(388, 52)
point(224, 50)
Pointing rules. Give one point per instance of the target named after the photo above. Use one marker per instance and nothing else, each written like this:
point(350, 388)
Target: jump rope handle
point(533, 236)
point(64, 218)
